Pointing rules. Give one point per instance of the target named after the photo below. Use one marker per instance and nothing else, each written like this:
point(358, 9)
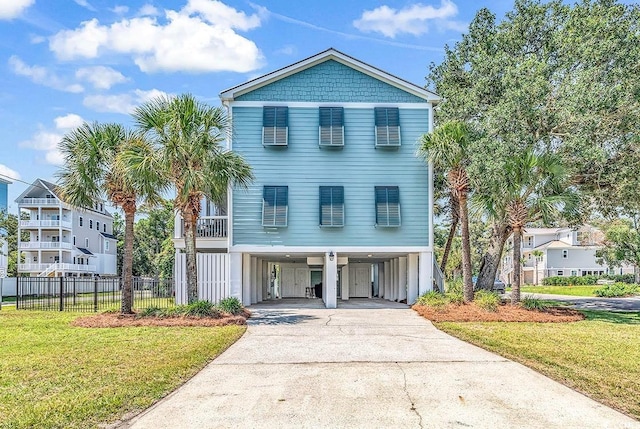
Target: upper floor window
point(74, 240)
point(275, 205)
point(565, 254)
point(275, 126)
point(387, 126)
point(331, 206)
point(80, 220)
point(90, 223)
point(106, 245)
point(86, 243)
point(104, 227)
point(331, 126)
point(387, 206)
point(529, 241)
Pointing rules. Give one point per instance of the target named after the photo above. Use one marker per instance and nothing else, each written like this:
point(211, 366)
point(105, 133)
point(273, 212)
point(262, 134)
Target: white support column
point(259, 279)
point(402, 278)
point(344, 294)
point(412, 283)
point(331, 279)
point(381, 286)
point(235, 275)
point(246, 279)
point(254, 286)
point(265, 281)
point(425, 282)
point(388, 287)
point(394, 279)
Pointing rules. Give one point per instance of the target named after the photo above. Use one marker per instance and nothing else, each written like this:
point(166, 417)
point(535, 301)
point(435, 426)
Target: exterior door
point(288, 282)
point(360, 284)
point(302, 281)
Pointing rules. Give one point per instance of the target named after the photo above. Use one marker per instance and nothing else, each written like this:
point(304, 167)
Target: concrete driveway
point(372, 367)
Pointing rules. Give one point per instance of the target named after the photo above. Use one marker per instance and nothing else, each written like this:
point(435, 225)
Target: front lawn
point(562, 290)
point(599, 356)
point(53, 375)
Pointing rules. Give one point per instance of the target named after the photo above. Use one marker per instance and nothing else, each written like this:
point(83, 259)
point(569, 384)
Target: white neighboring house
point(63, 240)
point(550, 252)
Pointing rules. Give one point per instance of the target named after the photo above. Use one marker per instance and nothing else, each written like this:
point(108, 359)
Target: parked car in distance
point(498, 285)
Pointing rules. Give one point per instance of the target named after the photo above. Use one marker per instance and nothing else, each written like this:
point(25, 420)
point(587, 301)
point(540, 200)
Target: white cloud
point(201, 37)
point(8, 173)
point(47, 140)
point(36, 39)
point(120, 103)
point(85, 4)
point(42, 76)
point(413, 19)
point(149, 10)
point(100, 77)
point(287, 50)
point(10, 9)
point(120, 9)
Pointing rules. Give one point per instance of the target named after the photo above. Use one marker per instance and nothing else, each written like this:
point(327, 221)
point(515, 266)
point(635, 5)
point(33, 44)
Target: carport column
point(344, 295)
point(412, 286)
point(331, 278)
point(381, 285)
point(394, 279)
point(246, 279)
point(402, 278)
point(254, 286)
point(259, 279)
point(265, 280)
point(235, 275)
point(388, 287)
point(426, 272)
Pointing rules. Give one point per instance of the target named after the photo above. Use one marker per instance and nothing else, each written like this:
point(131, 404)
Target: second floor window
point(275, 126)
point(86, 243)
point(387, 206)
point(90, 223)
point(331, 126)
point(387, 126)
point(331, 206)
point(98, 226)
point(565, 254)
point(80, 221)
point(275, 205)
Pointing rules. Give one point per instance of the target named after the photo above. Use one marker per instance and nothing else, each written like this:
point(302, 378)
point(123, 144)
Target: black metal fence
point(91, 293)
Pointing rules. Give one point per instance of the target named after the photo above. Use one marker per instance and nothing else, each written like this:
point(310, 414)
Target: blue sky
point(67, 61)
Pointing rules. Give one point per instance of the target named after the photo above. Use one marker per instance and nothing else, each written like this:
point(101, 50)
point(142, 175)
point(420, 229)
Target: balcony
point(211, 233)
point(26, 245)
point(33, 268)
point(39, 202)
point(45, 224)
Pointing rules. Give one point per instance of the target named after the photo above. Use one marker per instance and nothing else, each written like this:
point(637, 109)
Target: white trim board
point(244, 248)
point(349, 105)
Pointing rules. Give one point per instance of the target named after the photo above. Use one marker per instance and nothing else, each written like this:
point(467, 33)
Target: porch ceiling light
point(331, 255)
point(368, 256)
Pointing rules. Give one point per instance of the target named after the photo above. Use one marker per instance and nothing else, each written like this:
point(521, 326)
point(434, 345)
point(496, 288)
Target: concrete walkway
point(367, 368)
point(593, 303)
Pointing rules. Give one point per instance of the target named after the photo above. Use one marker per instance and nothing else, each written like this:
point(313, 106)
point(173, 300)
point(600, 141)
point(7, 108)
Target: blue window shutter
point(331, 206)
point(331, 126)
point(275, 205)
point(275, 125)
point(387, 206)
point(387, 122)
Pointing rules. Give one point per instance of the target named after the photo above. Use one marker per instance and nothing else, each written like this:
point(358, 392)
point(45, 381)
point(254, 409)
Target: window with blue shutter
point(275, 205)
point(331, 126)
point(387, 206)
point(275, 125)
point(387, 126)
point(332, 206)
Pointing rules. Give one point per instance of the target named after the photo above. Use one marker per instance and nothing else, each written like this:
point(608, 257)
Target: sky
point(63, 62)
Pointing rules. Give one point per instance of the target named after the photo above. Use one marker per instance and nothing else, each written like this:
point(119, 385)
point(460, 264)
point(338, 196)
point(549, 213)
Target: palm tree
point(535, 188)
point(447, 148)
point(109, 160)
point(188, 137)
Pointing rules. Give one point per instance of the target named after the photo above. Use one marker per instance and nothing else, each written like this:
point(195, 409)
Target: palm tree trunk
point(190, 250)
point(515, 288)
point(447, 246)
point(491, 259)
point(127, 262)
point(466, 248)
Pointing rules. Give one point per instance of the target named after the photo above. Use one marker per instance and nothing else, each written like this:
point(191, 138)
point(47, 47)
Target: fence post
point(74, 290)
point(61, 293)
point(95, 294)
point(18, 293)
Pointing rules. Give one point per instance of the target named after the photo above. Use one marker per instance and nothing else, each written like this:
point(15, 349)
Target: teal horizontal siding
point(303, 166)
point(330, 81)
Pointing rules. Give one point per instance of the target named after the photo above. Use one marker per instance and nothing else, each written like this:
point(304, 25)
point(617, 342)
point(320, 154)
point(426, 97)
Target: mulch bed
point(504, 313)
point(116, 320)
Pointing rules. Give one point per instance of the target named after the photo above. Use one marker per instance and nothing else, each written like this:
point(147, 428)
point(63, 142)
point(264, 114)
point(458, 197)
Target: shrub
point(201, 309)
point(487, 300)
point(454, 286)
point(231, 305)
point(152, 311)
point(530, 303)
point(455, 298)
point(570, 281)
point(623, 278)
point(432, 299)
point(618, 289)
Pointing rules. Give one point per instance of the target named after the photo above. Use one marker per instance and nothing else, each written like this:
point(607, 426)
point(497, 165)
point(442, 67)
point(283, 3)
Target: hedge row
point(586, 280)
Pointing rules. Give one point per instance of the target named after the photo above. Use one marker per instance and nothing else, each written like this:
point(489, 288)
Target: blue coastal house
point(341, 207)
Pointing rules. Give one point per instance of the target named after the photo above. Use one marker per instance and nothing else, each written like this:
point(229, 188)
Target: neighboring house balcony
point(45, 224)
point(45, 245)
point(32, 268)
point(39, 202)
point(211, 233)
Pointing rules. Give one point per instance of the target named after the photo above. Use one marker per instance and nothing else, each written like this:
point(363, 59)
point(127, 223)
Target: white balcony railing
point(210, 227)
point(45, 223)
point(45, 245)
point(31, 268)
point(61, 266)
point(40, 201)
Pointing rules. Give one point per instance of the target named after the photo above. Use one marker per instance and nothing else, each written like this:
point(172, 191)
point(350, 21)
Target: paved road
point(593, 303)
point(367, 368)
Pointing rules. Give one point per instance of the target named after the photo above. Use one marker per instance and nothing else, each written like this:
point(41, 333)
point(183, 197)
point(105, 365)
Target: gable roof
point(42, 184)
point(330, 54)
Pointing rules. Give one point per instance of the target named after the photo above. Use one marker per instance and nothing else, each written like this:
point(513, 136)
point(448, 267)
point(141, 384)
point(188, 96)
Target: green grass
point(53, 375)
point(599, 356)
point(562, 290)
